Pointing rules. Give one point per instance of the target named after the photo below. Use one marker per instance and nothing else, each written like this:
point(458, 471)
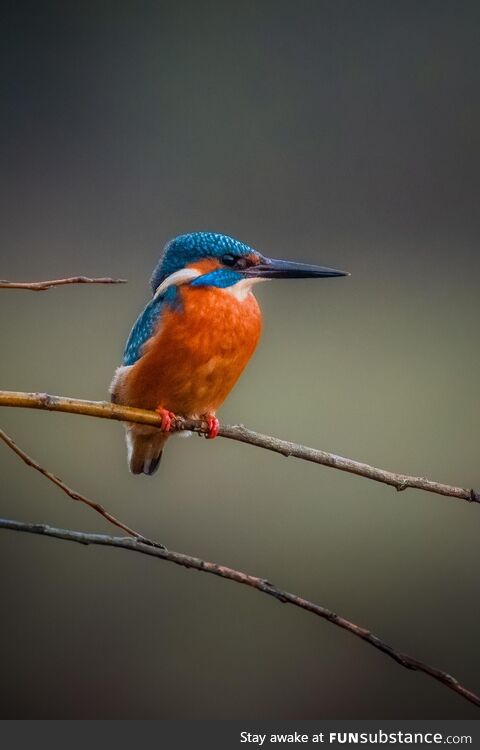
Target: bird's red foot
point(167, 418)
point(213, 427)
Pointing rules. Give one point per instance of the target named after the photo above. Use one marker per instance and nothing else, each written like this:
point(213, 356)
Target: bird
point(192, 341)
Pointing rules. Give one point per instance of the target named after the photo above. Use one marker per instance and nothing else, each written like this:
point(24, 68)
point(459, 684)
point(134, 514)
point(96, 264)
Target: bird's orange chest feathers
point(198, 352)
point(189, 345)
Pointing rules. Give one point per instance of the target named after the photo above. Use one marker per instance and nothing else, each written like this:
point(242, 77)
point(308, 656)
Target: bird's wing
point(144, 328)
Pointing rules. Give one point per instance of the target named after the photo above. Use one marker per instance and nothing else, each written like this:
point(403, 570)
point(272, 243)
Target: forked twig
point(138, 543)
point(73, 494)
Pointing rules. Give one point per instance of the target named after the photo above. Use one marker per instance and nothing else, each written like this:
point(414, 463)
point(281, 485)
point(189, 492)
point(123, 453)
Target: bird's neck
point(228, 307)
point(241, 290)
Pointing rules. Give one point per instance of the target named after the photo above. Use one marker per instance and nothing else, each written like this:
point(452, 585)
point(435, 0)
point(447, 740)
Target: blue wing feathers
point(142, 330)
point(177, 254)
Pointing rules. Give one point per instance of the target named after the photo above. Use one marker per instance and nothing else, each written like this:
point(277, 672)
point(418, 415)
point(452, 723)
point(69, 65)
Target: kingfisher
point(192, 341)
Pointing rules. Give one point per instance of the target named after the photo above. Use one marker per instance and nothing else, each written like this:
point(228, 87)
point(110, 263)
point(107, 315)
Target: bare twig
point(139, 543)
point(42, 286)
point(187, 561)
point(72, 493)
point(107, 410)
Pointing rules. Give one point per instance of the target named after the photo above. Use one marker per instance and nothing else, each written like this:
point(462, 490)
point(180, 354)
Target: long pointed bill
point(270, 268)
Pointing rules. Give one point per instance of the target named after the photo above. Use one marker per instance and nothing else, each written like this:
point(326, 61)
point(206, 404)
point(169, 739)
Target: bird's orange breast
point(197, 354)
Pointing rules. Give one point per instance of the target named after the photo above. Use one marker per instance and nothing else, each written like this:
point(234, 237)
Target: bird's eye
point(235, 261)
point(229, 260)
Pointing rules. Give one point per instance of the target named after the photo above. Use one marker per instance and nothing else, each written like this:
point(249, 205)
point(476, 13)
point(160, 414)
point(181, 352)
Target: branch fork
point(137, 542)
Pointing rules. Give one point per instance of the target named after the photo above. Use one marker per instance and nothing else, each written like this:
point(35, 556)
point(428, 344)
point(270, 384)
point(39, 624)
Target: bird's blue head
point(207, 259)
point(217, 260)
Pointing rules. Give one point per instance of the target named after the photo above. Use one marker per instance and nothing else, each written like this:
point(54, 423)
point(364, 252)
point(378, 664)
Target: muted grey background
point(214, 734)
point(343, 133)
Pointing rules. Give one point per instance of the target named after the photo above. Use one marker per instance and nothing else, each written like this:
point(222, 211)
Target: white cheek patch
point(177, 278)
point(242, 288)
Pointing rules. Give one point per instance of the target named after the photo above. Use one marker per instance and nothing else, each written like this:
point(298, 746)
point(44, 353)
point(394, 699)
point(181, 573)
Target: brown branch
point(260, 584)
point(107, 410)
point(139, 543)
point(42, 286)
point(72, 493)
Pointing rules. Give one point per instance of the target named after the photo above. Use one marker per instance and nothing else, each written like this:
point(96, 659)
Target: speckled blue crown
point(188, 248)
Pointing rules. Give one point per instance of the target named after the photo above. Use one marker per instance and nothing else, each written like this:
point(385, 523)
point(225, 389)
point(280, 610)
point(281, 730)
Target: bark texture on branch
point(107, 410)
point(138, 543)
point(42, 286)
point(261, 584)
point(73, 494)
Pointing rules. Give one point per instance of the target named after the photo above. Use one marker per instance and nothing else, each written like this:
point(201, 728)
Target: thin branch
point(261, 584)
point(42, 286)
point(72, 493)
point(139, 543)
point(107, 410)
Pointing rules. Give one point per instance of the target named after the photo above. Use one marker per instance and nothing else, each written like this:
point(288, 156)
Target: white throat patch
point(242, 288)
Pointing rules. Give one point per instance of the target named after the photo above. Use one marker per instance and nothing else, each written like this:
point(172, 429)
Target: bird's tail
point(144, 447)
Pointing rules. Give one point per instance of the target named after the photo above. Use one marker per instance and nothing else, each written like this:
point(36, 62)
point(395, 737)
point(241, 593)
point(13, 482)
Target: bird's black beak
point(271, 268)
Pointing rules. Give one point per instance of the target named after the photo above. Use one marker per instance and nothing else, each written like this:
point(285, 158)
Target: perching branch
point(187, 561)
point(139, 543)
point(106, 410)
point(42, 286)
point(72, 493)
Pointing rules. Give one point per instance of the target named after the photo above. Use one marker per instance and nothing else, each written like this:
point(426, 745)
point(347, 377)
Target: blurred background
point(342, 133)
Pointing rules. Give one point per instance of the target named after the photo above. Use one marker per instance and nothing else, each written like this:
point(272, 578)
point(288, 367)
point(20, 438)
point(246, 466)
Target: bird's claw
point(167, 418)
point(213, 427)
